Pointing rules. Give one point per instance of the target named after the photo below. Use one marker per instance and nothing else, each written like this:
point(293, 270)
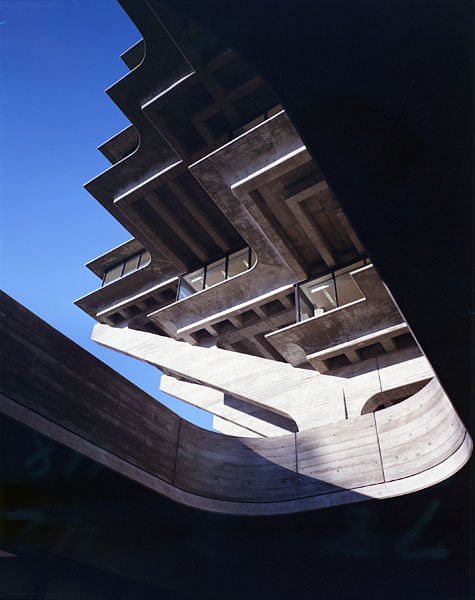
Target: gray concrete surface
point(51, 384)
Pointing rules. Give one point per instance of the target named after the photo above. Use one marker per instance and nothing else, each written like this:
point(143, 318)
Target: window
point(335, 289)
point(216, 272)
point(113, 274)
point(131, 264)
point(191, 283)
point(346, 287)
point(317, 296)
point(144, 259)
point(137, 261)
point(238, 262)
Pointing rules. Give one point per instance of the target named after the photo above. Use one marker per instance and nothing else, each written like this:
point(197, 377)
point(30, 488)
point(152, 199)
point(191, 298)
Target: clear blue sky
point(56, 59)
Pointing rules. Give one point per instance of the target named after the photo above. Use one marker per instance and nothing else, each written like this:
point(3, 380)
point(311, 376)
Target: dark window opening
point(327, 292)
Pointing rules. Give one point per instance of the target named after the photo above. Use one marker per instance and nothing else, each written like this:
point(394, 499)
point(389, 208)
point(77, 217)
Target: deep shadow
point(261, 413)
point(393, 396)
point(413, 547)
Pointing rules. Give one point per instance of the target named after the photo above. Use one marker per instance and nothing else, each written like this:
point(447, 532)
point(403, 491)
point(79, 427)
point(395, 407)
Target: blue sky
point(56, 59)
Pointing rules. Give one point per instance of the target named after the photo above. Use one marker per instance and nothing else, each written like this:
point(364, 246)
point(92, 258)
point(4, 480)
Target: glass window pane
point(113, 274)
point(185, 289)
point(306, 307)
point(144, 258)
point(320, 294)
point(253, 258)
point(238, 262)
point(348, 290)
point(215, 272)
point(194, 281)
point(131, 264)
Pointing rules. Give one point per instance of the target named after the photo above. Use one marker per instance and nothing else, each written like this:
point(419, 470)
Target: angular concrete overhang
point(342, 328)
point(274, 140)
point(127, 189)
point(400, 439)
point(109, 259)
point(168, 66)
point(369, 97)
point(245, 178)
point(148, 287)
point(120, 145)
point(51, 384)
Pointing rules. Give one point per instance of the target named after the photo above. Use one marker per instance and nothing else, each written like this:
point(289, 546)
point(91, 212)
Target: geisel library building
point(279, 277)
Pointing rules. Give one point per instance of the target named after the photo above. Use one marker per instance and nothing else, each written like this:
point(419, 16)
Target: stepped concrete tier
point(370, 319)
point(246, 284)
point(51, 384)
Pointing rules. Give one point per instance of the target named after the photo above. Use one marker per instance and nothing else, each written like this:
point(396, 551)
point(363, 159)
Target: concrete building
point(319, 398)
point(246, 285)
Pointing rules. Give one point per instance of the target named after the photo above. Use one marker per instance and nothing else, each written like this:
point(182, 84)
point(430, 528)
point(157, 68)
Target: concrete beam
point(350, 347)
point(309, 224)
point(302, 395)
point(349, 231)
point(201, 217)
point(58, 389)
point(228, 428)
point(253, 421)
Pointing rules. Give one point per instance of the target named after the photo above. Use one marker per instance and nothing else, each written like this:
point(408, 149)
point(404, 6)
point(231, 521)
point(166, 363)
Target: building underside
point(247, 286)
point(81, 516)
point(254, 281)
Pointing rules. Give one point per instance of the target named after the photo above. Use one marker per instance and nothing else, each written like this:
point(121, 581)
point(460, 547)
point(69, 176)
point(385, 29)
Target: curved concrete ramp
point(328, 465)
point(51, 384)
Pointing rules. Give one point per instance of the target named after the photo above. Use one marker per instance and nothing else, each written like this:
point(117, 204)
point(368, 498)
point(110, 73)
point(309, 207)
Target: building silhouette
point(247, 286)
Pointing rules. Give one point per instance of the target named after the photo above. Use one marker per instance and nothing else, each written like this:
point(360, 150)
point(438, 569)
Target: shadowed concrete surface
point(384, 108)
point(56, 502)
point(418, 437)
point(51, 384)
point(380, 94)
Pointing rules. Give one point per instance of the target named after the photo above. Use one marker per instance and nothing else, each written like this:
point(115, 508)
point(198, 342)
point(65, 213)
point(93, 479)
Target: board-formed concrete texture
point(383, 107)
point(247, 286)
point(52, 385)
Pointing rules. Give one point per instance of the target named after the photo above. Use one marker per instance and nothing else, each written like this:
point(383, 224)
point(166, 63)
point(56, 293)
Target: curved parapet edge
point(414, 444)
point(380, 491)
point(46, 378)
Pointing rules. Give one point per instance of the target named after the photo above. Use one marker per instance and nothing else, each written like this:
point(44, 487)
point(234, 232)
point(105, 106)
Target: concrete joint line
point(176, 449)
point(344, 403)
point(379, 375)
point(379, 445)
point(296, 454)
